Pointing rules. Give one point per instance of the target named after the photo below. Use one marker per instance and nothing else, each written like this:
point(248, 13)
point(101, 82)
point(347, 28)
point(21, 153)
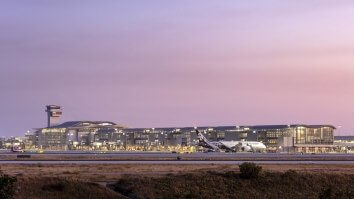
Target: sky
point(161, 63)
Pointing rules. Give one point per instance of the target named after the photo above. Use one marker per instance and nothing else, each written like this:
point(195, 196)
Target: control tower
point(54, 112)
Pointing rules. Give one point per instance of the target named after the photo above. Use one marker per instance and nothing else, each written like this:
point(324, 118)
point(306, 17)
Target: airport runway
point(80, 157)
point(285, 162)
point(192, 155)
point(173, 155)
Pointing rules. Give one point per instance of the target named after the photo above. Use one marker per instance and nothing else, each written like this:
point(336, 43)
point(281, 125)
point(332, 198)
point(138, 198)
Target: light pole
point(339, 127)
point(125, 142)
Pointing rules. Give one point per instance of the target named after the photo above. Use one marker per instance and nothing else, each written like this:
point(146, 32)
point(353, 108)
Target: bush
point(7, 186)
point(327, 193)
point(58, 186)
point(216, 184)
point(249, 170)
point(63, 188)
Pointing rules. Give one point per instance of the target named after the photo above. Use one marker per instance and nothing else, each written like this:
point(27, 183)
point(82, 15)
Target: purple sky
point(177, 63)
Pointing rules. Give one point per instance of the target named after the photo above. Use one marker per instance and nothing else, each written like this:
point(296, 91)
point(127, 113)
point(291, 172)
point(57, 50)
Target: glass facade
point(53, 137)
point(110, 137)
point(314, 135)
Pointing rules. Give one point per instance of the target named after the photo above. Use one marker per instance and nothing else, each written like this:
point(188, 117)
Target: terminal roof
point(72, 124)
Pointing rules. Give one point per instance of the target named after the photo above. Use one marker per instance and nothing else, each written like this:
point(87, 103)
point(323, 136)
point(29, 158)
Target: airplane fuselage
point(236, 146)
point(244, 146)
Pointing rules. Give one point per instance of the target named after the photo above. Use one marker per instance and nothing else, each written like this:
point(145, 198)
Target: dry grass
point(229, 185)
point(88, 180)
point(63, 188)
point(102, 173)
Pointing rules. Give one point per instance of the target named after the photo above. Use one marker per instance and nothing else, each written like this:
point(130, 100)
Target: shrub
point(58, 186)
point(63, 188)
point(290, 175)
point(216, 184)
point(327, 193)
point(124, 187)
point(7, 186)
point(249, 170)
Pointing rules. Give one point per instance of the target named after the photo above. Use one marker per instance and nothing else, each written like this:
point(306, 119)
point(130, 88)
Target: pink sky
point(177, 63)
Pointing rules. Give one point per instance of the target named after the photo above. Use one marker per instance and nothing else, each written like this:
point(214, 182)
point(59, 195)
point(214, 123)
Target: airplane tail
point(203, 141)
point(201, 137)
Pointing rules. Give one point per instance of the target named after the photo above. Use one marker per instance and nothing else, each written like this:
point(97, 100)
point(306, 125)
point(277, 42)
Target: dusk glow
point(177, 63)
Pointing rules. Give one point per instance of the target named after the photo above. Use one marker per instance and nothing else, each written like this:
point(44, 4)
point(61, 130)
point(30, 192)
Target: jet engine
point(246, 148)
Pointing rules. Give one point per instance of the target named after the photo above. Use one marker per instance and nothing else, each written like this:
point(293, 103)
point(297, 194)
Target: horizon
point(338, 132)
point(159, 64)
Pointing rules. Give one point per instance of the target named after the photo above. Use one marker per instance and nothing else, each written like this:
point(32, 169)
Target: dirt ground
point(113, 157)
point(104, 173)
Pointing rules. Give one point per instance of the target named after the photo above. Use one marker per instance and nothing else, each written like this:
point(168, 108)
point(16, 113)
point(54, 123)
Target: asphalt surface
point(89, 157)
point(172, 155)
point(174, 162)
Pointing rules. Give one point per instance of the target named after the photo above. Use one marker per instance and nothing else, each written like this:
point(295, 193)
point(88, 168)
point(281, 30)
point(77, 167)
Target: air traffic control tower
point(54, 112)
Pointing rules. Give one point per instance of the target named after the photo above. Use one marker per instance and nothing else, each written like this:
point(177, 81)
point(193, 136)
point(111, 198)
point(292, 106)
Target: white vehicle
point(232, 146)
point(17, 149)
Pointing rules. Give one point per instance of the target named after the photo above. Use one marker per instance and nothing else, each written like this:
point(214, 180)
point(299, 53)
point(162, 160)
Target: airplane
point(17, 149)
point(233, 146)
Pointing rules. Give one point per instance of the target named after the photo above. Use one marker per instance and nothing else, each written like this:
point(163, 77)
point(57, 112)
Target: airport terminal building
point(106, 135)
point(76, 135)
point(98, 135)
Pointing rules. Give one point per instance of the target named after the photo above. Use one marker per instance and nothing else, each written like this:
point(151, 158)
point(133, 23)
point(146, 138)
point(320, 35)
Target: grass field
point(102, 173)
point(205, 185)
point(61, 188)
point(168, 181)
